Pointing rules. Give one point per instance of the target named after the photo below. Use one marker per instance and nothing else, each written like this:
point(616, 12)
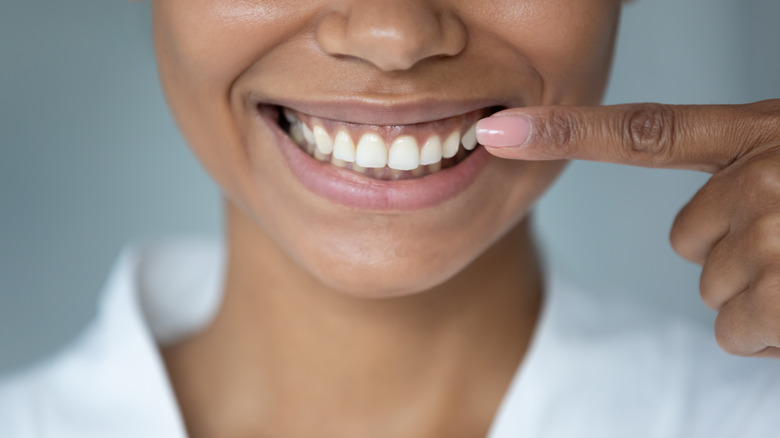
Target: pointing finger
point(697, 137)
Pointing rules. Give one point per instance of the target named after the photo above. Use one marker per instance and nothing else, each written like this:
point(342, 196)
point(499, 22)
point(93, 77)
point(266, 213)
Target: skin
point(731, 226)
point(214, 55)
point(362, 318)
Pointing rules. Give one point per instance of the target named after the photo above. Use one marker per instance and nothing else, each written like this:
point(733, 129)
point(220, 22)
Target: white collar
point(113, 381)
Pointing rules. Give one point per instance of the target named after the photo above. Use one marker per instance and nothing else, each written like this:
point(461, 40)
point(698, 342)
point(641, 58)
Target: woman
point(379, 277)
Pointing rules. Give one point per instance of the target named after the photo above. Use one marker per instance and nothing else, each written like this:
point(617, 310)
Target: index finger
point(698, 137)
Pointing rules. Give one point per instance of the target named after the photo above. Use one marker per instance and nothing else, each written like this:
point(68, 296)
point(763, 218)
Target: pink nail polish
point(503, 131)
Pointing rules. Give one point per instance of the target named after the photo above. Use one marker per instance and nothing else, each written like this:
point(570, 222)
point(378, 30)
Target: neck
point(284, 344)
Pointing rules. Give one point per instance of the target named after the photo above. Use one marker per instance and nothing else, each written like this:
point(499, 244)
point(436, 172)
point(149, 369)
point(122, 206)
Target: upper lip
point(383, 112)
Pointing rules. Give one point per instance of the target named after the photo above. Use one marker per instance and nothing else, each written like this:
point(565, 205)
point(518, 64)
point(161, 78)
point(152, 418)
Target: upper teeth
point(469, 138)
point(450, 146)
point(404, 154)
point(431, 151)
point(321, 139)
point(344, 148)
point(371, 151)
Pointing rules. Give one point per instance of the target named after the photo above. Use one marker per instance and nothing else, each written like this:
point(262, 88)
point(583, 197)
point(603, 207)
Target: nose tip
point(392, 35)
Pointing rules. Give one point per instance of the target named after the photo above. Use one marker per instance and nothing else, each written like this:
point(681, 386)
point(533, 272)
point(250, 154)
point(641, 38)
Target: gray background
point(90, 158)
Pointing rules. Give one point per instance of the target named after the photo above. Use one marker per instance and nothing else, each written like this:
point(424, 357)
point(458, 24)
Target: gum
point(389, 133)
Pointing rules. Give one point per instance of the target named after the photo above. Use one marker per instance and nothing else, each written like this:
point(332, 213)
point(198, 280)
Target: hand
point(731, 226)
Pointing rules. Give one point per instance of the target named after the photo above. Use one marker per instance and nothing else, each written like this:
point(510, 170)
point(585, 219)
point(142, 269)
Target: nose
point(391, 34)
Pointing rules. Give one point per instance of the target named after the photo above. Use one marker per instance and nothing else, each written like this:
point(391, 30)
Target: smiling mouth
point(385, 152)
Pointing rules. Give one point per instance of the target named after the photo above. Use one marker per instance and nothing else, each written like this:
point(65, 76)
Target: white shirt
point(595, 368)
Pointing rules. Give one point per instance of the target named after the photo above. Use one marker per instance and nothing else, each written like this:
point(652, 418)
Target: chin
point(388, 286)
point(386, 274)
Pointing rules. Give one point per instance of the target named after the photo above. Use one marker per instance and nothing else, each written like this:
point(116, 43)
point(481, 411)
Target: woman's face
point(369, 183)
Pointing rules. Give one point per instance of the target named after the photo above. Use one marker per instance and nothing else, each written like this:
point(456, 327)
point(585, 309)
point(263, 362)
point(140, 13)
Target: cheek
point(577, 65)
point(201, 47)
point(214, 41)
point(568, 43)
point(579, 57)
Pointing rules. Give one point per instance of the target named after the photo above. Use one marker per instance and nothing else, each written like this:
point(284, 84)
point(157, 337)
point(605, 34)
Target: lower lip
point(354, 190)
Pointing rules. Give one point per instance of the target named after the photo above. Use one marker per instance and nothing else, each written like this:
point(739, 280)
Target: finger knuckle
point(560, 130)
point(767, 327)
point(764, 236)
point(725, 334)
point(763, 307)
point(767, 291)
point(770, 335)
point(762, 178)
point(682, 234)
point(771, 338)
point(771, 124)
point(649, 130)
point(768, 106)
point(685, 246)
point(709, 287)
point(767, 122)
point(677, 234)
point(769, 224)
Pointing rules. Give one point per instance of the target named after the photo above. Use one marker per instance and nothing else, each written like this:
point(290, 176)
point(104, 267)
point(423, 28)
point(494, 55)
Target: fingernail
point(503, 131)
